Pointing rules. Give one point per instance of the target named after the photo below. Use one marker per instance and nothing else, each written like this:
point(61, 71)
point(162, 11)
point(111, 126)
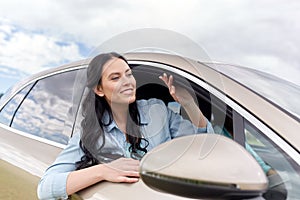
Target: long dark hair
point(93, 109)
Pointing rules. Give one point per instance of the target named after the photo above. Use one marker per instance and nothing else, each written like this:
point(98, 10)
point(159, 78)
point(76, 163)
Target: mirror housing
point(203, 166)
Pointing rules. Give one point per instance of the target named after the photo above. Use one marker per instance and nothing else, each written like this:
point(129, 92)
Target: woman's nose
point(126, 80)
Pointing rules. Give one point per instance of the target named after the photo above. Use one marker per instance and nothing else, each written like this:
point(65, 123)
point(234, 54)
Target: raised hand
point(186, 100)
point(179, 94)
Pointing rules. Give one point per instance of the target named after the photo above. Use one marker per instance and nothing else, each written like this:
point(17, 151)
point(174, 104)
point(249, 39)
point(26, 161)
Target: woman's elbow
point(53, 186)
point(41, 191)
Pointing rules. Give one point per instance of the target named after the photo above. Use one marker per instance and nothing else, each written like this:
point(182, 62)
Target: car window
point(273, 156)
point(10, 108)
point(44, 111)
point(150, 86)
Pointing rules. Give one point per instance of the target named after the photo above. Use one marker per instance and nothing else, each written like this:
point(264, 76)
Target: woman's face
point(117, 84)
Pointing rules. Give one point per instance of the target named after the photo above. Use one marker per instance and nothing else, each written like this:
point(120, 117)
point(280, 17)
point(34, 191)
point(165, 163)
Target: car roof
point(268, 86)
point(30, 79)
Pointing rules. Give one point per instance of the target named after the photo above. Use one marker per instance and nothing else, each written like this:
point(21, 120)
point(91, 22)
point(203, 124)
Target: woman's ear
point(98, 91)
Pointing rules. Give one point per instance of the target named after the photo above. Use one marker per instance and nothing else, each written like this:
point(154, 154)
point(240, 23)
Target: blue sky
point(36, 35)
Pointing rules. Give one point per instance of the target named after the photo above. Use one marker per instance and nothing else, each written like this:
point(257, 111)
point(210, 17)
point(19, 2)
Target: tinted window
point(277, 160)
point(44, 111)
point(10, 108)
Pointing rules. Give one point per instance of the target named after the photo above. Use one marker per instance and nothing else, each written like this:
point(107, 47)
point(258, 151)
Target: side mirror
point(203, 166)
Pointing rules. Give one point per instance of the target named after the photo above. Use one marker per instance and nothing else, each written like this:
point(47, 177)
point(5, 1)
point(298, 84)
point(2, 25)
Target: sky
point(37, 35)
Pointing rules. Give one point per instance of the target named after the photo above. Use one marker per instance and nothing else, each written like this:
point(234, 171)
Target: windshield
point(282, 93)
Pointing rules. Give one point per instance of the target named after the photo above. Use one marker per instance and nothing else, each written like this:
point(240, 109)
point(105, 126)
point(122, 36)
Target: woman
point(116, 130)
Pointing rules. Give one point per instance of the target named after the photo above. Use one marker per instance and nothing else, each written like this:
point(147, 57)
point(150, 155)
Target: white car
point(38, 116)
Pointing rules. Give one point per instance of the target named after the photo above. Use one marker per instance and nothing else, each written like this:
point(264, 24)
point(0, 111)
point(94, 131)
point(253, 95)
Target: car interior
point(150, 86)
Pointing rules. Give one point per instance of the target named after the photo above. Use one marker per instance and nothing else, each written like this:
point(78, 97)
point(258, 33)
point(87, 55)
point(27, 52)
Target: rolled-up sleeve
point(53, 183)
point(180, 126)
point(207, 129)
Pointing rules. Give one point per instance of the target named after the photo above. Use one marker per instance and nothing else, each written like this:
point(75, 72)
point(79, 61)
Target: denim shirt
point(158, 124)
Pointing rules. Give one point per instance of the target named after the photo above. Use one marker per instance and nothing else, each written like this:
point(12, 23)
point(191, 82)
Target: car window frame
point(20, 104)
point(33, 81)
point(242, 112)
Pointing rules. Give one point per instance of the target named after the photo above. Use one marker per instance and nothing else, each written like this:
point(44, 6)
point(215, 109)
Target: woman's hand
point(179, 94)
point(121, 170)
point(186, 100)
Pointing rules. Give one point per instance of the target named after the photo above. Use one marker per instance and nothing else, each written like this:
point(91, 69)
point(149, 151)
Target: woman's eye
point(129, 74)
point(115, 78)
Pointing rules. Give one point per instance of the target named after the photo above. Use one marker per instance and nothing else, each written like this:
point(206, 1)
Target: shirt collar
point(144, 119)
point(106, 119)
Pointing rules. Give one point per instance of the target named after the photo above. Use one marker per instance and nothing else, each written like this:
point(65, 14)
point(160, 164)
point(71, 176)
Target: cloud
point(31, 52)
point(260, 34)
point(9, 76)
point(13, 73)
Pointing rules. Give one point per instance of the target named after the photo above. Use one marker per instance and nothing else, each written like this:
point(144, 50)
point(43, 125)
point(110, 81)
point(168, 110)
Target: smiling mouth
point(127, 91)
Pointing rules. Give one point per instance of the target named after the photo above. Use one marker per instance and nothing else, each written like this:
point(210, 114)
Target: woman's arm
point(186, 100)
point(61, 178)
point(195, 114)
point(120, 170)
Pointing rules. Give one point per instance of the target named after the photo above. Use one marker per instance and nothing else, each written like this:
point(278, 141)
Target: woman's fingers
point(125, 179)
point(124, 164)
point(164, 78)
point(169, 83)
point(173, 93)
point(178, 93)
point(122, 170)
point(131, 174)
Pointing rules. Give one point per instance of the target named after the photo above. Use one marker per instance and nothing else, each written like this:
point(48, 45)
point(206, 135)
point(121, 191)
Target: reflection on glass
point(268, 86)
point(44, 111)
point(9, 109)
point(279, 161)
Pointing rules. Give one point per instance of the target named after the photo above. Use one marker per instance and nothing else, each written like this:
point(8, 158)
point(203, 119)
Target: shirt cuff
point(207, 129)
point(59, 186)
point(53, 187)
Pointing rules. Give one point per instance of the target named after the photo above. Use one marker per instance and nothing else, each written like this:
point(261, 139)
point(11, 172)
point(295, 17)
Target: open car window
point(150, 86)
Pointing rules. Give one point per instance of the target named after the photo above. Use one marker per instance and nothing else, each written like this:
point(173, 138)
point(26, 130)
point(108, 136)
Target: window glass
point(287, 184)
point(9, 109)
point(44, 111)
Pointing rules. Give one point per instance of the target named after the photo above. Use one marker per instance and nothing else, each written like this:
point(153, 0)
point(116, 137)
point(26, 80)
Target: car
point(39, 114)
